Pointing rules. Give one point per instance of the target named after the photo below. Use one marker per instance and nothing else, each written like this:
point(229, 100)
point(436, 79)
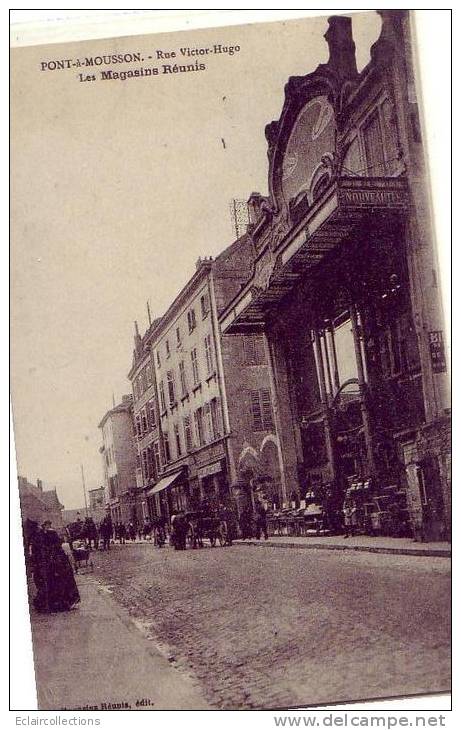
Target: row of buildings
point(307, 360)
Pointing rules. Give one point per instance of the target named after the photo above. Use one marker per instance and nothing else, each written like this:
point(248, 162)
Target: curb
point(418, 552)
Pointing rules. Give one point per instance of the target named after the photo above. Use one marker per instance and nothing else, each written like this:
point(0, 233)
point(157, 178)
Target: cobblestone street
point(264, 627)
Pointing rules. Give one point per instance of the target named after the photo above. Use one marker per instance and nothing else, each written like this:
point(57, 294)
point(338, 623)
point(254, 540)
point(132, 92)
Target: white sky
point(117, 189)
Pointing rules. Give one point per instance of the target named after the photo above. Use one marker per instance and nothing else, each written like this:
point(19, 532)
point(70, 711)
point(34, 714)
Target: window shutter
point(256, 411)
point(266, 409)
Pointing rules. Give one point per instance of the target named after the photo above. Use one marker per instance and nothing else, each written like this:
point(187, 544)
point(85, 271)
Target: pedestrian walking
point(53, 572)
point(106, 532)
point(261, 520)
point(350, 518)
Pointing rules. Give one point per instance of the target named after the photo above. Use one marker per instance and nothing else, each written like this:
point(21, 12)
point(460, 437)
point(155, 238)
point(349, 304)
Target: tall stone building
point(344, 288)
point(118, 454)
point(214, 420)
point(146, 418)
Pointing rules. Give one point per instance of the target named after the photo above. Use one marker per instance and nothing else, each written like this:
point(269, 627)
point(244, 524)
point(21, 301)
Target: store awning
point(163, 483)
point(331, 221)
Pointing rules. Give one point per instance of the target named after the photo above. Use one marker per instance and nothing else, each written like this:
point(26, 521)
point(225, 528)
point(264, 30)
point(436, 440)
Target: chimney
point(254, 207)
point(137, 339)
point(341, 45)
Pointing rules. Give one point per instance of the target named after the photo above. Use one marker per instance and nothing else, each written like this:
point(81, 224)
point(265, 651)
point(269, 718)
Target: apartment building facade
point(209, 397)
point(118, 454)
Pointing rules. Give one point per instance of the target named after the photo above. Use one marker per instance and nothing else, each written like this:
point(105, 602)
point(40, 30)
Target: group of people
point(49, 558)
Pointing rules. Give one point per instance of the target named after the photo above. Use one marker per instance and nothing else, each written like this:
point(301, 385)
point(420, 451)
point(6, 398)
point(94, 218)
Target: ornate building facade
point(344, 289)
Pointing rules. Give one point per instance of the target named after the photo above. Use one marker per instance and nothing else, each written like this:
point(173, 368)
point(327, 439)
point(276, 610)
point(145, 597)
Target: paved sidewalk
point(95, 657)
point(390, 545)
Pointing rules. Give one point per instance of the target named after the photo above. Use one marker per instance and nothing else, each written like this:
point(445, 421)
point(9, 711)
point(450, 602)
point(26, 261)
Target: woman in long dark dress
point(53, 573)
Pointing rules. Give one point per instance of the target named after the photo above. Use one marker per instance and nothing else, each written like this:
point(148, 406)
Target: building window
point(191, 320)
point(198, 417)
point(138, 427)
point(151, 413)
point(261, 409)
point(143, 380)
point(195, 370)
point(145, 426)
point(177, 437)
point(205, 305)
point(171, 387)
point(150, 463)
point(162, 397)
point(373, 142)
point(207, 424)
point(145, 466)
point(167, 348)
point(135, 390)
point(148, 375)
point(188, 434)
point(183, 378)
point(253, 350)
point(216, 421)
point(166, 447)
point(208, 354)
point(158, 461)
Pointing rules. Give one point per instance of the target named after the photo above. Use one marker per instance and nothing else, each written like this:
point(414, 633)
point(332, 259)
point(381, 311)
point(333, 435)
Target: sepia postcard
point(230, 368)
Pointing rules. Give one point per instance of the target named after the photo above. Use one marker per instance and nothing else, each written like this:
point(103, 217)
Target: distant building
point(38, 505)
point(96, 504)
point(119, 462)
point(145, 416)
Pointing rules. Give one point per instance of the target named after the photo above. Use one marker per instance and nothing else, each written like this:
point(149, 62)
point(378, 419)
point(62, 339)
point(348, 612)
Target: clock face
point(312, 136)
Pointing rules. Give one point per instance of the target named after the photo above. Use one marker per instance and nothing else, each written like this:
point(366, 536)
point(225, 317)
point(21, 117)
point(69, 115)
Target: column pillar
point(362, 388)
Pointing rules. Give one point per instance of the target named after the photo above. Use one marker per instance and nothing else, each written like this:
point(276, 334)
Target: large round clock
point(312, 136)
